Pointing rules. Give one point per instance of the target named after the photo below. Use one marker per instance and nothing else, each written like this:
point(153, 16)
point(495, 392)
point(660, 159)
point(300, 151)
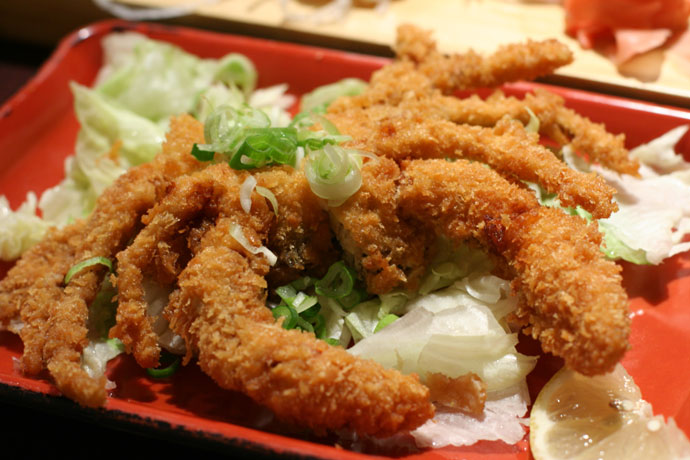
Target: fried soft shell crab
point(173, 220)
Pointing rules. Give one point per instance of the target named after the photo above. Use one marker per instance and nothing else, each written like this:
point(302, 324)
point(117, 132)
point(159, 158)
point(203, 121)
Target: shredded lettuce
point(324, 95)
point(454, 330)
point(124, 118)
point(156, 79)
point(451, 332)
point(653, 219)
point(20, 229)
point(100, 348)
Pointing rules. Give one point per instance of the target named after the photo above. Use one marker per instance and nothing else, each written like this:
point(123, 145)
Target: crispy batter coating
point(387, 250)
point(219, 309)
point(173, 220)
point(301, 234)
point(507, 147)
point(466, 393)
point(300, 378)
point(571, 295)
point(470, 70)
point(53, 253)
point(55, 318)
point(557, 122)
point(211, 192)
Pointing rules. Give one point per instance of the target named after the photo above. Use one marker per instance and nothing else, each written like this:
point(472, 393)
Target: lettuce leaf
point(653, 219)
point(124, 119)
point(20, 229)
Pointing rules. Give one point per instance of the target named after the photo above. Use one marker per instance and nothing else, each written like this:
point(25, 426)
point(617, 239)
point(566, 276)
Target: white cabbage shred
point(20, 229)
point(124, 118)
point(653, 219)
point(454, 330)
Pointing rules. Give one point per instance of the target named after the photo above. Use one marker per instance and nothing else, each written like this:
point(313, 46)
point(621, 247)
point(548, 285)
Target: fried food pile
point(175, 221)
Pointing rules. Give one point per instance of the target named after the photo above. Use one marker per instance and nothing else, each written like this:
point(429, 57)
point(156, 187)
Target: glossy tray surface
point(38, 130)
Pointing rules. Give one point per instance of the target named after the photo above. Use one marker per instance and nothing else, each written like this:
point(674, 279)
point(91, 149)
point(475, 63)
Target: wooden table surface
point(458, 25)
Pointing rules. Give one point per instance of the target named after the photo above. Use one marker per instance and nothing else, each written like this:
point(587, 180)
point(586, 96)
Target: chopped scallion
point(311, 312)
point(304, 325)
point(202, 155)
point(338, 282)
point(354, 298)
point(165, 372)
point(266, 193)
point(76, 268)
point(289, 313)
point(385, 321)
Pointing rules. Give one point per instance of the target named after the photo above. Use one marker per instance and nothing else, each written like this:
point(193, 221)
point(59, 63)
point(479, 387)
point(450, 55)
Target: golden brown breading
point(466, 393)
point(46, 259)
point(556, 122)
point(386, 250)
point(470, 70)
point(571, 298)
point(507, 147)
point(301, 234)
point(571, 295)
point(300, 378)
point(211, 192)
point(55, 317)
point(415, 85)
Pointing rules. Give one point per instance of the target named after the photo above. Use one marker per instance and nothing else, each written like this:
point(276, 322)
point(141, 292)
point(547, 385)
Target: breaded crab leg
point(387, 250)
point(418, 81)
point(470, 70)
point(220, 309)
point(571, 296)
point(55, 317)
point(507, 147)
point(556, 122)
point(211, 192)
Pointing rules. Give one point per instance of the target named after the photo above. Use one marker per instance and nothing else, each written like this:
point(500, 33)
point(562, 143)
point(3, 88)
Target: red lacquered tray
point(38, 130)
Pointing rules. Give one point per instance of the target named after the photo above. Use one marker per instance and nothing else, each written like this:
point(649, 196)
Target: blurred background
point(653, 63)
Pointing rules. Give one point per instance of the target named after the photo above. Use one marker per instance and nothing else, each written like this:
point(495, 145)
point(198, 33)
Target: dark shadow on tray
point(11, 342)
point(650, 282)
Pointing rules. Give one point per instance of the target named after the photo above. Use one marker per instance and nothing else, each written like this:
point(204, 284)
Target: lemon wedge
point(602, 417)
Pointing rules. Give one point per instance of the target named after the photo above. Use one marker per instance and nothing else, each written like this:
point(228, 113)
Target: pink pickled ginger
point(623, 29)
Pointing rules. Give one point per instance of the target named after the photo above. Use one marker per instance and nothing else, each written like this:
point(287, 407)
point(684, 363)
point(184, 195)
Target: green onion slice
point(319, 322)
point(300, 284)
point(354, 298)
point(287, 293)
point(76, 268)
point(165, 372)
point(310, 313)
point(287, 312)
point(338, 282)
point(304, 325)
point(333, 173)
point(385, 321)
point(264, 146)
point(202, 155)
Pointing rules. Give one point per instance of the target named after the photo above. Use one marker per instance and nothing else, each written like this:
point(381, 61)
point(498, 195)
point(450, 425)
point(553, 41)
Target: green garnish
point(76, 268)
point(165, 372)
point(385, 321)
point(287, 312)
point(338, 282)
